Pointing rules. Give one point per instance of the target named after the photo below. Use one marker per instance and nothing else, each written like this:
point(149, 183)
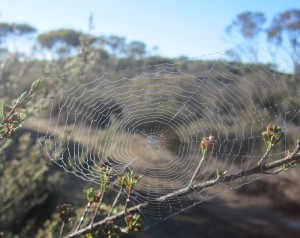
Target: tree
point(116, 43)
point(248, 26)
point(9, 29)
point(62, 36)
point(284, 32)
point(136, 49)
point(61, 41)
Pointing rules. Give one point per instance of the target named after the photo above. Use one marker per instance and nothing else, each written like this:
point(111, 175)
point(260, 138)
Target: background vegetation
point(31, 187)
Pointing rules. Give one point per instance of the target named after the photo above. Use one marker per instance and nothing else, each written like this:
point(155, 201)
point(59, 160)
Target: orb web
point(151, 120)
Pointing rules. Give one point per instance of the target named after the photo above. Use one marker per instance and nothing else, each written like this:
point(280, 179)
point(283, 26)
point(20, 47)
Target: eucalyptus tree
point(61, 42)
point(245, 32)
point(284, 32)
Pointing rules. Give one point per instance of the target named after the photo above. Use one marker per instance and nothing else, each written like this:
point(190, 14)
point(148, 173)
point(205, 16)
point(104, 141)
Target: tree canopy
point(286, 25)
point(9, 29)
point(67, 37)
point(248, 24)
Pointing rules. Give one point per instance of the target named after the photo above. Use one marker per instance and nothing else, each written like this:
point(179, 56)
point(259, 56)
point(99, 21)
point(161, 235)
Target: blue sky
point(191, 28)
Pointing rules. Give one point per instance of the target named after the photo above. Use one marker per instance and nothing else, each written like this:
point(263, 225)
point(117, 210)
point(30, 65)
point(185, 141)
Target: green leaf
point(36, 85)
point(89, 194)
point(120, 181)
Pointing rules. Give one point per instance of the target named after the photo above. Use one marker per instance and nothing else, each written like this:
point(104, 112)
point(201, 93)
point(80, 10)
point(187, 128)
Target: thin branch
point(127, 201)
point(83, 216)
point(115, 202)
point(61, 229)
point(293, 157)
point(264, 158)
point(277, 171)
point(196, 171)
point(96, 211)
point(188, 187)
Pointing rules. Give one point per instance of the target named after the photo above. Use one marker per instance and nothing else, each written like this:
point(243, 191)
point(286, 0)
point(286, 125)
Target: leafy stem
point(104, 178)
point(271, 137)
point(11, 117)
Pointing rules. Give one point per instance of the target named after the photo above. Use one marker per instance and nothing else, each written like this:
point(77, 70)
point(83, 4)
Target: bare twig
point(61, 229)
point(188, 187)
point(115, 202)
point(127, 201)
point(83, 216)
point(96, 211)
point(258, 169)
point(264, 158)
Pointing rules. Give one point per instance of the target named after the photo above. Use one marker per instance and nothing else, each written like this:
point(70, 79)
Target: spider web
point(152, 119)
